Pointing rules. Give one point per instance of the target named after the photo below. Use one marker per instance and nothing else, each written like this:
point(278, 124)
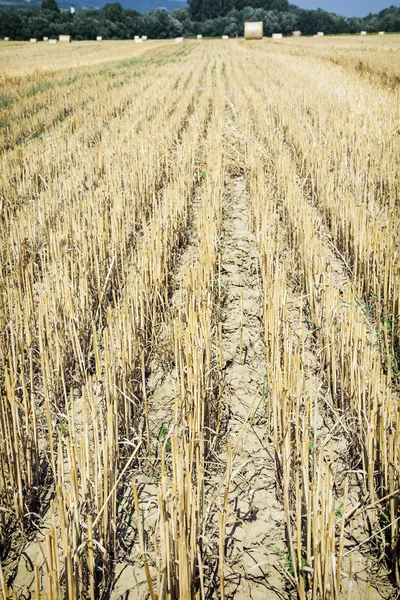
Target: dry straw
point(90, 428)
point(98, 307)
point(316, 529)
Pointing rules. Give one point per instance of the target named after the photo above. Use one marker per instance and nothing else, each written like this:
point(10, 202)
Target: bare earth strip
point(255, 516)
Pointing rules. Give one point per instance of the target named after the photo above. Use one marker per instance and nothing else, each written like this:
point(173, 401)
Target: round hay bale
point(253, 30)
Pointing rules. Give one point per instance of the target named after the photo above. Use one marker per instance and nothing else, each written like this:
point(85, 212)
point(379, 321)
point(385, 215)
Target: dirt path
point(255, 516)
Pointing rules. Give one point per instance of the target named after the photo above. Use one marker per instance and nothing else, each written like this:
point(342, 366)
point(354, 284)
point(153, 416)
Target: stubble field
point(200, 320)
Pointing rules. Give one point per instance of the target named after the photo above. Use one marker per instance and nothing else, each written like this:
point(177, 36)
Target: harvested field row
point(355, 188)
point(29, 111)
point(17, 61)
point(376, 60)
point(199, 326)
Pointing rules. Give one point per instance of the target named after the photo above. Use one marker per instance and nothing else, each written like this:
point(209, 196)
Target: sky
point(349, 8)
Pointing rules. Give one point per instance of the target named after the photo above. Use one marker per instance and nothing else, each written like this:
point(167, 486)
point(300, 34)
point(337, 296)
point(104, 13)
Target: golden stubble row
point(95, 196)
point(342, 132)
point(84, 427)
point(128, 341)
point(183, 502)
point(349, 349)
point(37, 109)
point(42, 165)
point(375, 58)
point(40, 103)
point(20, 61)
point(303, 469)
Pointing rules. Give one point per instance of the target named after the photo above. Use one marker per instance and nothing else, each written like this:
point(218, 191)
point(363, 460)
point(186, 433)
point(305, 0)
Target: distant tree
point(271, 22)
point(86, 27)
point(39, 25)
point(279, 5)
point(181, 14)
point(132, 20)
point(113, 30)
point(196, 9)
point(50, 5)
point(209, 9)
point(232, 29)
point(288, 22)
point(159, 24)
point(189, 28)
point(11, 24)
point(353, 25)
point(251, 14)
point(214, 27)
point(113, 12)
point(389, 19)
point(202, 10)
point(312, 21)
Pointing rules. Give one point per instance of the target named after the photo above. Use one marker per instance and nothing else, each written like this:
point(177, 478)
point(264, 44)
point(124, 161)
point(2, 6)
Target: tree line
point(211, 18)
